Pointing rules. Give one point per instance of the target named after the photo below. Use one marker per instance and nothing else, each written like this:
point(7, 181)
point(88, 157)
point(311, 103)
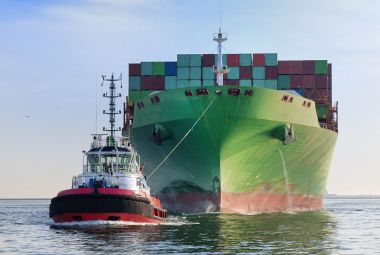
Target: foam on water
point(170, 221)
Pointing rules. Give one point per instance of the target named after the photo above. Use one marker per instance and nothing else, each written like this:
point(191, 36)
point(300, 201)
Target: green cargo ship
point(239, 148)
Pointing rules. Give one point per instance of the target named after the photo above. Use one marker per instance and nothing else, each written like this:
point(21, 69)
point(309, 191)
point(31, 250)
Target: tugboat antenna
point(112, 106)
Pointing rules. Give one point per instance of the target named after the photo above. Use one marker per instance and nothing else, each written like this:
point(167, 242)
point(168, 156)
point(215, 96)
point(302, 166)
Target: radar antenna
point(219, 69)
point(112, 106)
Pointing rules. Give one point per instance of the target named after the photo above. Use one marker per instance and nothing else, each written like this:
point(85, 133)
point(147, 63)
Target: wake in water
point(170, 221)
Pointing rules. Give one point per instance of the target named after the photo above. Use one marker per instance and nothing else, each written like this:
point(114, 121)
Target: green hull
point(235, 158)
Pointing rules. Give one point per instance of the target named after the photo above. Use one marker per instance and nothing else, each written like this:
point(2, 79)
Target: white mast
point(219, 69)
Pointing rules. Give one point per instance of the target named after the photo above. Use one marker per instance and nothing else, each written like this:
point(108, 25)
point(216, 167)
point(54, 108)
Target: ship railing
point(84, 181)
point(100, 142)
point(327, 126)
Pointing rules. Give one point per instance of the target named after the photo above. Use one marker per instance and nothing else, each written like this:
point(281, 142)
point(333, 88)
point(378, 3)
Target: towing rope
point(183, 138)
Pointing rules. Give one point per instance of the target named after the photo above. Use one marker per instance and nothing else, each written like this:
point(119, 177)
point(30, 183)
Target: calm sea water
point(345, 226)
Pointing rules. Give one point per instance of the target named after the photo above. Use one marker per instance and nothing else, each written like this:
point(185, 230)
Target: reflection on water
point(343, 227)
point(307, 232)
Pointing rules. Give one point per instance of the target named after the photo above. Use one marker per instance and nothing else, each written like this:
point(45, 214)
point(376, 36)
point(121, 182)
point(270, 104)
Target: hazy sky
point(52, 54)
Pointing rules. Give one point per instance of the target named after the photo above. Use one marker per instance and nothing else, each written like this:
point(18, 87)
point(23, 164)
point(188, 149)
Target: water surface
point(345, 226)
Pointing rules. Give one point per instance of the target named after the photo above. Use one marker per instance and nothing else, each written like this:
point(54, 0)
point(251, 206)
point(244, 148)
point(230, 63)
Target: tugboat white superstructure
point(112, 185)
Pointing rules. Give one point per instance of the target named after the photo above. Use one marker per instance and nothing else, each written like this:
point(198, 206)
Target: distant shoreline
point(333, 196)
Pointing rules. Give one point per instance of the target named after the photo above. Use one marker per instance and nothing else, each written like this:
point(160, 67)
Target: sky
point(53, 53)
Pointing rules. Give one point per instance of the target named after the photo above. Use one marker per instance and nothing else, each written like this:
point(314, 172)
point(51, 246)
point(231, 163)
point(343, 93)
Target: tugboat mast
point(219, 69)
point(112, 106)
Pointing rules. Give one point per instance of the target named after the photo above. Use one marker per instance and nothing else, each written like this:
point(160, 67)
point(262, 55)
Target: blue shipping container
point(195, 83)
point(182, 83)
point(258, 72)
point(171, 68)
point(271, 59)
point(183, 73)
point(170, 82)
point(195, 59)
point(271, 84)
point(245, 59)
point(234, 73)
point(195, 73)
point(134, 82)
point(258, 83)
point(146, 68)
point(183, 60)
point(246, 83)
point(208, 82)
point(207, 73)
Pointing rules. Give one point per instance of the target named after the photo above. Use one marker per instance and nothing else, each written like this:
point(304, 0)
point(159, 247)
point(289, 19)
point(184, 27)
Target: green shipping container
point(146, 68)
point(134, 82)
point(208, 82)
point(183, 73)
point(245, 59)
point(270, 59)
point(183, 83)
point(170, 82)
point(195, 73)
point(183, 60)
point(322, 112)
point(271, 84)
point(207, 73)
point(246, 83)
point(195, 59)
point(283, 82)
point(258, 83)
point(224, 58)
point(158, 68)
point(258, 72)
point(195, 83)
point(321, 67)
point(233, 74)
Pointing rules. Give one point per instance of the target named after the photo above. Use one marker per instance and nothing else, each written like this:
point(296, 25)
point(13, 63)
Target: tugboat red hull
point(75, 217)
point(108, 204)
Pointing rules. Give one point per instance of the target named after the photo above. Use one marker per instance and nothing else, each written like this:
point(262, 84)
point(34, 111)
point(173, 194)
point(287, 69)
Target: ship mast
point(112, 106)
point(219, 69)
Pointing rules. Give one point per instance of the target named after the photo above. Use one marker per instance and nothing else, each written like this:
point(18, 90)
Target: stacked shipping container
point(310, 78)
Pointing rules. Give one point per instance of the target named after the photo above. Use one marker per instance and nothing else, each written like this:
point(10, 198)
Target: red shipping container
point(208, 60)
point(309, 93)
point(295, 67)
point(134, 69)
point(296, 81)
point(233, 60)
point(158, 83)
point(284, 67)
point(271, 72)
point(322, 95)
point(321, 81)
point(245, 72)
point(308, 67)
point(152, 82)
point(258, 60)
point(308, 81)
point(231, 82)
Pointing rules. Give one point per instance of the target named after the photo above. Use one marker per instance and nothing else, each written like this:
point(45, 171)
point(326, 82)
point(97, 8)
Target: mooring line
point(183, 138)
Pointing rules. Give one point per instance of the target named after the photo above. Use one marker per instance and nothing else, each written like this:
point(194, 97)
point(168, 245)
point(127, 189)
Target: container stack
point(153, 76)
point(310, 78)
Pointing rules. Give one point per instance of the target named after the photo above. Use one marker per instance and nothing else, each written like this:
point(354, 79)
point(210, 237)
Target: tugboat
point(112, 186)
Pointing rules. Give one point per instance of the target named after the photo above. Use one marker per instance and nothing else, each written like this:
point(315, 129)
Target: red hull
point(108, 204)
point(253, 202)
point(68, 217)
point(243, 203)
